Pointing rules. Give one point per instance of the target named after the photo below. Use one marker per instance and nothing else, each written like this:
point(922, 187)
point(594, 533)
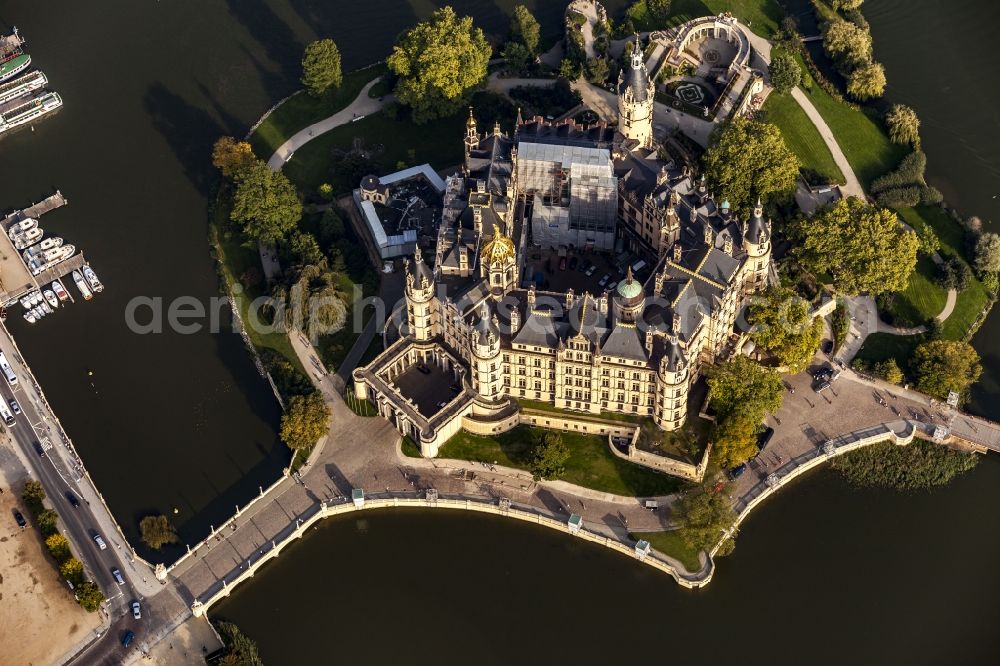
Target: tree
point(240, 650)
point(305, 421)
point(548, 460)
point(845, 5)
point(988, 252)
point(58, 546)
point(47, 522)
point(597, 70)
point(321, 67)
point(941, 366)
point(517, 56)
point(438, 63)
point(157, 531)
point(927, 240)
point(231, 156)
point(954, 273)
point(783, 325)
point(867, 81)
point(784, 70)
point(265, 203)
point(847, 44)
point(524, 28)
point(570, 70)
point(33, 495)
point(659, 10)
point(304, 248)
point(704, 515)
point(72, 570)
point(974, 224)
point(889, 371)
point(903, 124)
point(863, 247)
point(743, 393)
point(89, 596)
point(750, 160)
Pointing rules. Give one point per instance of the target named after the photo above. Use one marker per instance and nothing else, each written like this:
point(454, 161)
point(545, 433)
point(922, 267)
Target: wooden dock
point(47, 205)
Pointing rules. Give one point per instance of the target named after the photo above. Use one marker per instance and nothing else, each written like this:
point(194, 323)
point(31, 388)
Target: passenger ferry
point(14, 66)
point(30, 82)
point(34, 106)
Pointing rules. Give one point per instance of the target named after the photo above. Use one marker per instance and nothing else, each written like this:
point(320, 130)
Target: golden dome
point(499, 249)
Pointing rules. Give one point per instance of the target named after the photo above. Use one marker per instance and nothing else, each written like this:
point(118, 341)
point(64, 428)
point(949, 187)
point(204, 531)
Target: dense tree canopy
point(863, 247)
point(941, 366)
point(889, 371)
point(438, 63)
point(919, 465)
point(525, 29)
point(517, 56)
point(848, 44)
point(72, 570)
point(867, 81)
point(321, 67)
point(988, 252)
point(33, 495)
point(305, 420)
point(703, 514)
point(782, 325)
point(903, 124)
point(58, 545)
point(157, 531)
point(749, 160)
point(548, 459)
point(743, 393)
point(240, 650)
point(265, 203)
point(784, 70)
point(89, 595)
point(231, 156)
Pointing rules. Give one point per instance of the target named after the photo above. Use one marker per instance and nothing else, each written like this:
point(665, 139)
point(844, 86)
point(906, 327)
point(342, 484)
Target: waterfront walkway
point(361, 106)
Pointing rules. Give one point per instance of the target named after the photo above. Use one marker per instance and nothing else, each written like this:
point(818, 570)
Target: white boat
point(45, 308)
point(30, 318)
point(50, 298)
point(26, 302)
point(19, 228)
point(60, 290)
point(38, 313)
point(36, 298)
point(82, 286)
point(35, 104)
point(92, 280)
point(29, 237)
point(47, 244)
point(50, 258)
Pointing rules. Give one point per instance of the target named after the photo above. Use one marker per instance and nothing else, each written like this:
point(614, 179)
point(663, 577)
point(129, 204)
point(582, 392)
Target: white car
point(100, 542)
point(118, 576)
point(135, 610)
point(14, 407)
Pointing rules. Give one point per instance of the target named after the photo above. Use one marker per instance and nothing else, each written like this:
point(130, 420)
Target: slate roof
point(623, 341)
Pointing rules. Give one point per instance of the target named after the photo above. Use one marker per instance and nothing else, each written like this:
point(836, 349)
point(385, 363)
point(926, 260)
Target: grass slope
point(801, 136)
point(670, 543)
point(591, 463)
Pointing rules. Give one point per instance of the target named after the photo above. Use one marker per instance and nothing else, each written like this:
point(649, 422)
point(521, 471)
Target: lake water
point(167, 421)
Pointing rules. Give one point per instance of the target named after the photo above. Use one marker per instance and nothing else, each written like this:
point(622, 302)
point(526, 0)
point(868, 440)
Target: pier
point(15, 278)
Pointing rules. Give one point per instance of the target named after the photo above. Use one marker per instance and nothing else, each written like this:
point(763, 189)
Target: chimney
point(477, 218)
point(676, 327)
point(602, 304)
point(728, 247)
point(709, 235)
point(531, 298)
point(515, 320)
point(649, 341)
point(569, 299)
point(677, 253)
point(480, 185)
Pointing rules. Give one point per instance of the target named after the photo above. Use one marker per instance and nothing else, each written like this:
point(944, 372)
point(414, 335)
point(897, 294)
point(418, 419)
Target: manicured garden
point(671, 544)
point(303, 110)
point(763, 16)
point(802, 137)
point(591, 463)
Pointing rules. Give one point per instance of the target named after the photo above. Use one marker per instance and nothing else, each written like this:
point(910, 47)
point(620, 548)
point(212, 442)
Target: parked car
point(821, 386)
point(118, 576)
point(19, 517)
point(100, 542)
point(73, 499)
point(591, 270)
point(14, 407)
point(136, 613)
point(39, 450)
point(737, 471)
point(127, 638)
point(604, 280)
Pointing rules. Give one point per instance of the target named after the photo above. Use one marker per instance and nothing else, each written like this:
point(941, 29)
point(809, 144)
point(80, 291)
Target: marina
point(33, 269)
point(23, 96)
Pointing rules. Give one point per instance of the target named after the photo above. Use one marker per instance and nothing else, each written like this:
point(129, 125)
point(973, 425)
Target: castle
point(483, 333)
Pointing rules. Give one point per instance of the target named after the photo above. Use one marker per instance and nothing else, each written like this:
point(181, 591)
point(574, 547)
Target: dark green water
point(184, 421)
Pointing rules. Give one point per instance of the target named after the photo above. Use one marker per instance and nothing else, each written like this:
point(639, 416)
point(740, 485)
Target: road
point(59, 473)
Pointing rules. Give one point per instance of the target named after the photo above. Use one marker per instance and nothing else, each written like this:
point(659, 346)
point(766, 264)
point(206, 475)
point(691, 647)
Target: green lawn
point(670, 543)
point(303, 110)
point(591, 463)
point(802, 137)
point(235, 259)
point(864, 142)
point(410, 448)
point(970, 302)
point(763, 16)
point(881, 346)
point(605, 416)
point(438, 143)
point(923, 298)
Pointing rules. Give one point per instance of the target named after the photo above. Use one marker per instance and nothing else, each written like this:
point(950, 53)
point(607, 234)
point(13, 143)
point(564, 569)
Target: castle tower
point(670, 405)
point(499, 263)
point(420, 298)
point(629, 300)
point(487, 370)
point(635, 100)
point(471, 138)
point(757, 243)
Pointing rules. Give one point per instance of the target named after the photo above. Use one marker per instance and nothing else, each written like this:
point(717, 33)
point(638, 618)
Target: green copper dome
point(629, 289)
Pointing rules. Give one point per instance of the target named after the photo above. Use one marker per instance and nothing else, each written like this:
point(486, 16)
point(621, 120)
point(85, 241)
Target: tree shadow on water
point(188, 130)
